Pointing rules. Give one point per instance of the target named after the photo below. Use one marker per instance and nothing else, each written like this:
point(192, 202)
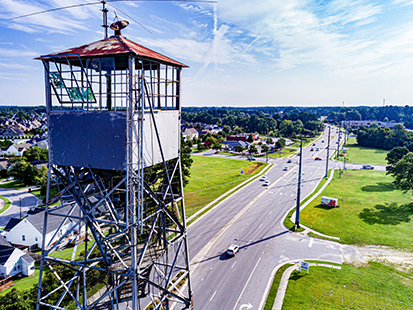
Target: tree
point(250, 138)
point(270, 141)
point(36, 153)
point(264, 148)
point(252, 149)
point(393, 158)
point(226, 129)
point(27, 173)
point(239, 149)
point(186, 161)
point(403, 173)
point(217, 147)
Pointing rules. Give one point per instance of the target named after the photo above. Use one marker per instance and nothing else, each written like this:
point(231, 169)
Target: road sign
point(305, 266)
point(242, 172)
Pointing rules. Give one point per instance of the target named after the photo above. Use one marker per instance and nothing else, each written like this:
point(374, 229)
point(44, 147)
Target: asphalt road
point(252, 218)
point(17, 198)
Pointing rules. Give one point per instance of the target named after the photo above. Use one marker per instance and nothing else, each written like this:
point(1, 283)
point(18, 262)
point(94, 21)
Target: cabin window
point(23, 238)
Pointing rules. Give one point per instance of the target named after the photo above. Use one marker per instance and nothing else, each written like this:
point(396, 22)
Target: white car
point(232, 250)
point(263, 178)
point(266, 183)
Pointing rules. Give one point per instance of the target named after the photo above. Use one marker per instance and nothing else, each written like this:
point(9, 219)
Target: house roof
point(12, 222)
point(5, 253)
point(28, 258)
point(53, 222)
point(3, 241)
point(114, 45)
point(4, 164)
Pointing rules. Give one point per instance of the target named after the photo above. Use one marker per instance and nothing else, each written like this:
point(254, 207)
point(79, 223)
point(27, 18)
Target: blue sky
point(240, 53)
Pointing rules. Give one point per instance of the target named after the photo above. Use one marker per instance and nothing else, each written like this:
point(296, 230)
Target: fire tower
point(113, 109)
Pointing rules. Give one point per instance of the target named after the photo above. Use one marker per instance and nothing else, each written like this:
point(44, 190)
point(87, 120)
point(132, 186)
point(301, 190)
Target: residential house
point(14, 261)
point(28, 232)
point(231, 145)
point(17, 149)
point(191, 133)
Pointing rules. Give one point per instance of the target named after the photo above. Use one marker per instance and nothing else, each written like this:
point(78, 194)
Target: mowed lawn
point(373, 287)
point(371, 210)
point(212, 176)
point(364, 155)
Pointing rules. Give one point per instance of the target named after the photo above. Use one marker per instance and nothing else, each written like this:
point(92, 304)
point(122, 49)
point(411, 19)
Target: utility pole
point(20, 208)
point(297, 211)
point(328, 151)
point(338, 144)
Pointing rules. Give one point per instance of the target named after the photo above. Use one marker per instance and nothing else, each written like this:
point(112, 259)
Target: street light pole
point(297, 211)
point(338, 145)
point(328, 151)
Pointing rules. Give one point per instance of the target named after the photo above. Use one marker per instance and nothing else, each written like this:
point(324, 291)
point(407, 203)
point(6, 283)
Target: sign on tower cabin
point(90, 90)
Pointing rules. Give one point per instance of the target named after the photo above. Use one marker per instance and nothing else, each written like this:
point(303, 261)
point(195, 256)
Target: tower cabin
point(95, 92)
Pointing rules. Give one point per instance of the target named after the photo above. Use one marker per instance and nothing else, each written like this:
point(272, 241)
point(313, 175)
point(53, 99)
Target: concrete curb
point(282, 288)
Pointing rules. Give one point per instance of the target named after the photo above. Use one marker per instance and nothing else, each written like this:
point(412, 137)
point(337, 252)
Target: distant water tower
point(114, 110)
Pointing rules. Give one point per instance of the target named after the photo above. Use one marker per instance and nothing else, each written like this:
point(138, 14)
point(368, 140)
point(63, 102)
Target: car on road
point(317, 158)
point(322, 141)
point(263, 178)
point(289, 161)
point(311, 150)
point(313, 144)
point(232, 250)
point(250, 158)
point(266, 183)
point(317, 149)
point(10, 179)
point(285, 169)
point(367, 167)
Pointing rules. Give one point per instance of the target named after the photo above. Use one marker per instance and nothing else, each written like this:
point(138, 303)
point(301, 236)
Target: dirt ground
point(360, 256)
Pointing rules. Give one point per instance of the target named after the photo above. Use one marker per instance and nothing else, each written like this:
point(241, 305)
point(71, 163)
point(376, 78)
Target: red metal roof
point(114, 45)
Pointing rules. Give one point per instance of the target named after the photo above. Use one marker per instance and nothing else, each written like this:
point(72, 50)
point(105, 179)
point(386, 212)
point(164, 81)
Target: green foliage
point(238, 149)
point(264, 148)
point(36, 153)
point(27, 173)
point(250, 138)
point(393, 158)
point(403, 173)
point(5, 143)
point(252, 149)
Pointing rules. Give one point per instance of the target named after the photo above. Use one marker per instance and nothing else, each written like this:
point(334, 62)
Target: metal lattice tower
point(113, 110)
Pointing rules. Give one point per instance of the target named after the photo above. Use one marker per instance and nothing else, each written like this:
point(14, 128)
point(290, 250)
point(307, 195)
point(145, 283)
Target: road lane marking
point(233, 264)
point(311, 243)
point(198, 236)
point(216, 220)
point(249, 278)
point(260, 226)
point(270, 212)
point(213, 296)
point(198, 258)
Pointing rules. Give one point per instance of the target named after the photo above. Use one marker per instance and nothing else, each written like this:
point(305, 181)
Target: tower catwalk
point(113, 110)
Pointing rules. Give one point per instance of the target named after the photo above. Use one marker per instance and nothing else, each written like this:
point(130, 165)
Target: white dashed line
point(260, 226)
point(213, 296)
point(311, 243)
point(233, 265)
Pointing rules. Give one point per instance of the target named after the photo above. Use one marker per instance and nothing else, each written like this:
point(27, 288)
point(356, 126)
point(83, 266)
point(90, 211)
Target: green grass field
point(6, 204)
point(371, 210)
point(373, 287)
point(364, 155)
point(284, 153)
point(211, 177)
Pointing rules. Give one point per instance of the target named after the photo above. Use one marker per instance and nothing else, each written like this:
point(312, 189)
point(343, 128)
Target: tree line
point(384, 138)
